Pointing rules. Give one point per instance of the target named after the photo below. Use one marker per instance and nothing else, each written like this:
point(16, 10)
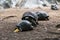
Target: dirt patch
point(39, 33)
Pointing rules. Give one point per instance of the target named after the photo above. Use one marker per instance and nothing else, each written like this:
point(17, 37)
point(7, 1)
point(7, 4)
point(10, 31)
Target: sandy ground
point(39, 33)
